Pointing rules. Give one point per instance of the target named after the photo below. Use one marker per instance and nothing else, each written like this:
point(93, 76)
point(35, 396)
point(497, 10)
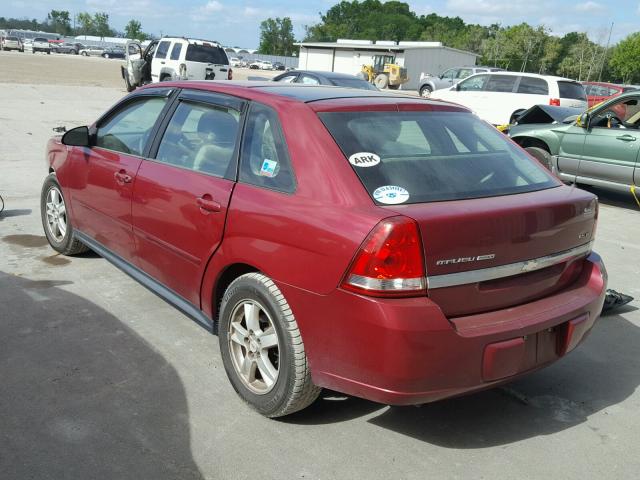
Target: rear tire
point(55, 220)
point(425, 91)
point(541, 155)
point(259, 333)
point(394, 87)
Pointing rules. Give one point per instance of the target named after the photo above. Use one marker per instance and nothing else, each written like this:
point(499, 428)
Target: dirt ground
point(54, 69)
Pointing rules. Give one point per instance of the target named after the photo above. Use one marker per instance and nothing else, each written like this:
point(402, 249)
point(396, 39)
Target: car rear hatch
point(572, 94)
point(206, 61)
point(493, 253)
point(498, 229)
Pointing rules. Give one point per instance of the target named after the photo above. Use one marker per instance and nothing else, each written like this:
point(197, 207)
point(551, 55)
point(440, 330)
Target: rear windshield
point(416, 157)
point(206, 54)
point(13, 39)
point(572, 90)
point(38, 39)
point(352, 83)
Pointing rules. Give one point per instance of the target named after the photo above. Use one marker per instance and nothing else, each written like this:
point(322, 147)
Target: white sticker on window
point(268, 168)
point(364, 159)
point(390, 194)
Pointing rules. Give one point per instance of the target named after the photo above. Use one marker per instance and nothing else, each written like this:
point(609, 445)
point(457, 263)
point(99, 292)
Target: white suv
point(499, 97)
point(174, 58)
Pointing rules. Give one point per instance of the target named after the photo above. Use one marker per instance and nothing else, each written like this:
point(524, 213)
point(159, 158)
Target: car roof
point(536, 75)
point(305, 93)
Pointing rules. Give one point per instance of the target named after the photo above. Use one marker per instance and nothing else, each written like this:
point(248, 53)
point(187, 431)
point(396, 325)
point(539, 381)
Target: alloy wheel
point(56, 215)
point(254, 346)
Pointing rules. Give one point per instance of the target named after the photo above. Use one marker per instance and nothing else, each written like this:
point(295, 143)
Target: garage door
point(319, 59)
point(345, 62)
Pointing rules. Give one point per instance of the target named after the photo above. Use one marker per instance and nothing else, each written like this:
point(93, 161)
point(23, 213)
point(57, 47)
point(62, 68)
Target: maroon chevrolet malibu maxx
point(388, 247)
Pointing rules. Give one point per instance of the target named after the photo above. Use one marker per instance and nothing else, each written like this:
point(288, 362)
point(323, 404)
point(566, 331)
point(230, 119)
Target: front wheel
point(106, 55)
point(56, 221)
point(381, 81)
point(425, 91)
point(262, 349)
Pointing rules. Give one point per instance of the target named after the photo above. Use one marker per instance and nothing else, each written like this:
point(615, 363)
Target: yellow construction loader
point(385, 73)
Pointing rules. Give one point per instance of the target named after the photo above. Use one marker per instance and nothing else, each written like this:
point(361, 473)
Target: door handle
point(122, 177)
point(627, 138)
point(207, 204)
point(162, 62)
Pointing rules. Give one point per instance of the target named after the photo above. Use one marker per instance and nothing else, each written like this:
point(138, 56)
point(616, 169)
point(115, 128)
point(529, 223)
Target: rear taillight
point(230, 75)
point(389, 263)
point(554, 102)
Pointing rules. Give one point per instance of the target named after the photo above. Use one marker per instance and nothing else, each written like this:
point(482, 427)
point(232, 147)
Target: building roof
point(380, 45)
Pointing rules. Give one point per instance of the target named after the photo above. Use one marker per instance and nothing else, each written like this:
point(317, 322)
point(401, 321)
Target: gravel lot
point(101, 379)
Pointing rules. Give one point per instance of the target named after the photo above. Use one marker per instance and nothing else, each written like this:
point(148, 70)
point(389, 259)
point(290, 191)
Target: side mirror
point(583, 120)
point(457, 87)
point(77, 137)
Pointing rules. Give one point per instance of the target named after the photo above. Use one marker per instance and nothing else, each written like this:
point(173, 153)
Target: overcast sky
point(236, 23)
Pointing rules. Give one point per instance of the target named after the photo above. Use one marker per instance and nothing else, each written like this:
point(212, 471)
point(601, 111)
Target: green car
point(598, 147)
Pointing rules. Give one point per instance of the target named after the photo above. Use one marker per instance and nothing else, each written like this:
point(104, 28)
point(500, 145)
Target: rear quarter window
point(432, 156)
point(572, 90)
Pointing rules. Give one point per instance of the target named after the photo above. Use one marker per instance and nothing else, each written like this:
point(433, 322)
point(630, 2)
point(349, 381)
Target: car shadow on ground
point(614, 198)
point(601, 373)
point(16, 212)
point(82, 395)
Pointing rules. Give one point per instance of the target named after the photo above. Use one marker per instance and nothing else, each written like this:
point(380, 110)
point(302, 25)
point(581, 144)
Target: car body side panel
point(610, 154)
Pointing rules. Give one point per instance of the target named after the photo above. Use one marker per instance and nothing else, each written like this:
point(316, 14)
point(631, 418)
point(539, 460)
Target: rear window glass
point(38, 39)
point(533, 86)
point(572, 90)
point(13, 39)
point(416, 157)
point(206, 54)
point(352, 83)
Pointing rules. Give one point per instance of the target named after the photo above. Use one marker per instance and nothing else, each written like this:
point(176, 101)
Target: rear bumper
point(405, 351)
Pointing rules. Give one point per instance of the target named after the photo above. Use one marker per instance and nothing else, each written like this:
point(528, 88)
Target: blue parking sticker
point(390, 194)
point(268, 168)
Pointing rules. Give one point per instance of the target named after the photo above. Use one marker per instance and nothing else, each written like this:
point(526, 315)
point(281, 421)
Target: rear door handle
point(627, 138)
point(207, 204)
point(122, 177)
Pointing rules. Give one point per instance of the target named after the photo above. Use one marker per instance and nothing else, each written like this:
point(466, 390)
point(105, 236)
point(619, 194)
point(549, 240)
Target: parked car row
point(266, 65)
point(40, 44)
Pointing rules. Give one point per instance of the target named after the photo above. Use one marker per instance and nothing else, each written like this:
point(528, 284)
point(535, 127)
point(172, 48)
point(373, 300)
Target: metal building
point(348, 56)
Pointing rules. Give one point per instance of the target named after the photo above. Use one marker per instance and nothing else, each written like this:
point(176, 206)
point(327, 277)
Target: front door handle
point(122, 177)
point(627, 138)
point(207, 204)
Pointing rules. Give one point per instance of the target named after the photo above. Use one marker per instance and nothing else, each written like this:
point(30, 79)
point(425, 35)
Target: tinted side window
point(500, 83)
point(265, 158)
point(473, 84)
point(201, 137)
point(464, 73)
point(128, 130)
point(163, 48)
point(533, 86)
point(175, 51)
point(572, 90)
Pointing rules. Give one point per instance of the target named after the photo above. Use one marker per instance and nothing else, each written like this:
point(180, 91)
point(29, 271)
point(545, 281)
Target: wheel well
point(51, 170)
point(224, 280)
point(525, 142)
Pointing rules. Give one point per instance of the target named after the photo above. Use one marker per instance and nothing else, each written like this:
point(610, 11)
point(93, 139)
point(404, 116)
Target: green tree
point(276, 36)
point(101, 24)
point(85, 23)
point(625, 59)
point(133, 30)
point(60, 21)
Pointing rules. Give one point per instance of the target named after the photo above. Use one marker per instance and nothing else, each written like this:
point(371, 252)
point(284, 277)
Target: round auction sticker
point(390, 194)
point(364, 159)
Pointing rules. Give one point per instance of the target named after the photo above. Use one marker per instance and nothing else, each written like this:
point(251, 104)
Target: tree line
point(84, 23)
point(520, 47)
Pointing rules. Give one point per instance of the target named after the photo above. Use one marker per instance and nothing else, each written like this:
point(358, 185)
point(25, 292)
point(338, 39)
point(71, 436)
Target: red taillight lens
point(389, 262)
point(230, 75)
point(554, 102)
